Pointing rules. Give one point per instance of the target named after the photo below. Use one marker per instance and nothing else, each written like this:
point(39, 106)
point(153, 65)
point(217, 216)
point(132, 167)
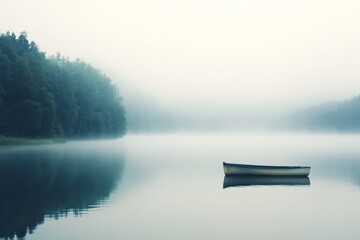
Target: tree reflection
point(52, 183)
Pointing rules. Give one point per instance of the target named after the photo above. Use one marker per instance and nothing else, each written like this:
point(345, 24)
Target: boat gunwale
point(263, 166)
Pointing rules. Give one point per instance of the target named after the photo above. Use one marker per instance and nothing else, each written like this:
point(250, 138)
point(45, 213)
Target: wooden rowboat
point(259, 170)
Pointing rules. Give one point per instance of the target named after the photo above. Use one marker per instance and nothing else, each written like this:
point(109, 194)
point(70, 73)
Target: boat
point(261, 170)
point(242, 181)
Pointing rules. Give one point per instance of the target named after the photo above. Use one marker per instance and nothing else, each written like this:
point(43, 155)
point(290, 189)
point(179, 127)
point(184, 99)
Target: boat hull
point(258, 170)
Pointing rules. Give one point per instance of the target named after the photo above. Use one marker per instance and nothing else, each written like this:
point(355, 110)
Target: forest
point(44, 96)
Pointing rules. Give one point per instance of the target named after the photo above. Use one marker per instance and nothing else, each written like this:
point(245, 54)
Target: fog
point(205, 59)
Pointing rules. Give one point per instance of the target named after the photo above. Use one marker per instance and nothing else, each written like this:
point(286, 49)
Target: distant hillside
point(334, 116)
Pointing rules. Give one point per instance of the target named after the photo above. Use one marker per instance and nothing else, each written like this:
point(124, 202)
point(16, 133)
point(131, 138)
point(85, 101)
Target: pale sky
point(203, 53)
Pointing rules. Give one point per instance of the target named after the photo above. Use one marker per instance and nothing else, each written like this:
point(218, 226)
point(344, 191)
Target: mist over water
point(158, 182)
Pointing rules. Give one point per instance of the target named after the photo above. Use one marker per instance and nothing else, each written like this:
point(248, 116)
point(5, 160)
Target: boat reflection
point(241, 181)
point(52, 183)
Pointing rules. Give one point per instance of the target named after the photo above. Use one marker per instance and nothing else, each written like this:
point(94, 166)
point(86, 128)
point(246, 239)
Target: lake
point(171, 186)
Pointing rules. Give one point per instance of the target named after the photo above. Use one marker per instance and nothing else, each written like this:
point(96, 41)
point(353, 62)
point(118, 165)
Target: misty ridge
point(331, 116)
point(337, 116)
point(54, 97)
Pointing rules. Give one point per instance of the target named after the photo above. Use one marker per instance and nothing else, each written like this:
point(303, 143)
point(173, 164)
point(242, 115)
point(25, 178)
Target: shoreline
point(17, 141)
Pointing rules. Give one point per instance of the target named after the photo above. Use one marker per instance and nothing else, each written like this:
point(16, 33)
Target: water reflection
point(35, 184)
point(238, 181)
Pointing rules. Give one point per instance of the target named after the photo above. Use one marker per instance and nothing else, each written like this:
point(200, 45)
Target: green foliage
point(42, 96)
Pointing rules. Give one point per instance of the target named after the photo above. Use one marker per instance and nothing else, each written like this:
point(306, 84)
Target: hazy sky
point(195, 53)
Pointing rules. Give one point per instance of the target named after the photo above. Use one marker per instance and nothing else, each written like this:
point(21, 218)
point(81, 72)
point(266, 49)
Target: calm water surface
point(171, 187)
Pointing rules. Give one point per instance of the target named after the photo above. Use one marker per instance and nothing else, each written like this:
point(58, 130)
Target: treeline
point(336, 116)
point(45, 97)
